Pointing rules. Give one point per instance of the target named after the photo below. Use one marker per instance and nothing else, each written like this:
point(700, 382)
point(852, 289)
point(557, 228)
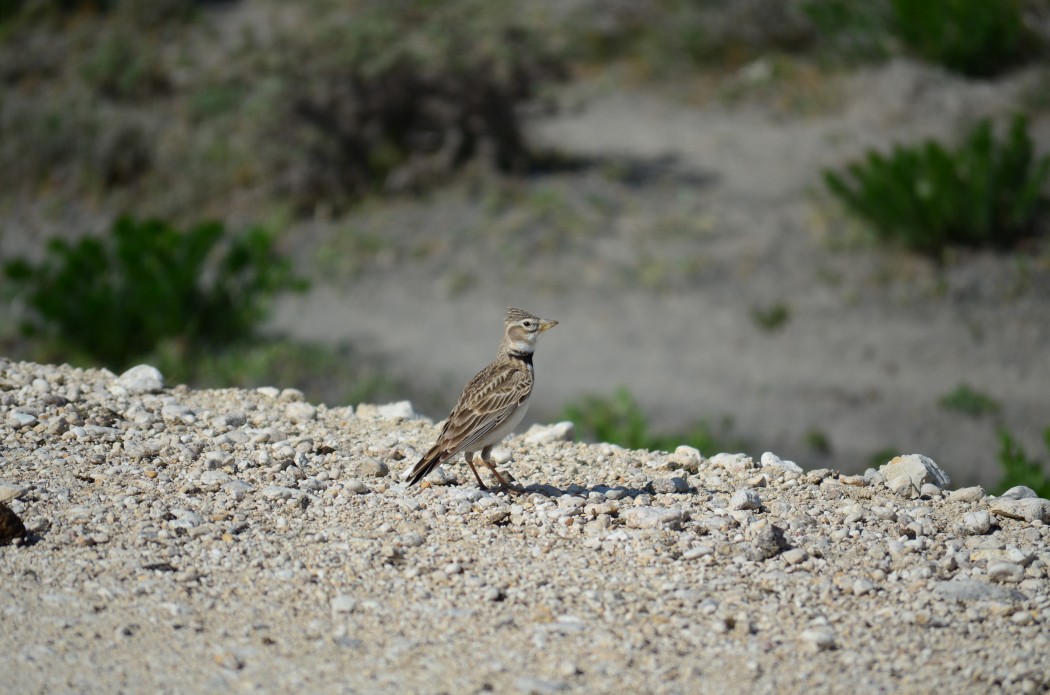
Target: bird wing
point(486, 403)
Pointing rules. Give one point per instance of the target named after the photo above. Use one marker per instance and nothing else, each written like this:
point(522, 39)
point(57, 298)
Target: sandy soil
point(707, 210)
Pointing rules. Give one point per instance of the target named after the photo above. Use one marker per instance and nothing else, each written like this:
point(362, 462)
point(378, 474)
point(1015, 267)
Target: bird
point(492, 403)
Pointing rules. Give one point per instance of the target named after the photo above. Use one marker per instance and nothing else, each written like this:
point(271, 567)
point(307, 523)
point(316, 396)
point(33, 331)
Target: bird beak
point(547, 324)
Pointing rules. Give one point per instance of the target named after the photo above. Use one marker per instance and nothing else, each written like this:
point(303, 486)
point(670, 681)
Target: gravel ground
point(191, 541)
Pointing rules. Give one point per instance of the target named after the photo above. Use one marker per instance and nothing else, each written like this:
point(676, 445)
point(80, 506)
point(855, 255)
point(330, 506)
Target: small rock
point(495, 516)
point(818, 639)
point(371, 468)
point(795, 556)
point(141, 379)
point(11, 527)
point(651, 517)
point(736, 463)
point(771, 460)
point(1028, 508)
point(767, 540)
point(1005, 572)
point(929, 490)
point(9, 492)
point(539, 686)
point(862, 586)
point(670, 485)
point(903, 486)
point(1019, 492)
point(558, 432)
point(687, 457)
point(745, 498)
point(976, 523)
point(973, 590)
point(343, 604)
point(300, 412)
point(277, 492)
point(916, 467)
point(967, 494)
point(20, 419)
point(356, 486)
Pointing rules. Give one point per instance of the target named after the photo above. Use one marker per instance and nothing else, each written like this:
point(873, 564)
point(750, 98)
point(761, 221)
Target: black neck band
point(525, 357)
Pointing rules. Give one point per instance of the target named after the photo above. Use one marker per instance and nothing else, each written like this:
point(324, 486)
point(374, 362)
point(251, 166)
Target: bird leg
point(468, 455)
point(502, 483)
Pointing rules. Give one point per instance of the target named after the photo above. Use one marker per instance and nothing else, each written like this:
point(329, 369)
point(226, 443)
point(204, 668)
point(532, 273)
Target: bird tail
point(426, 464)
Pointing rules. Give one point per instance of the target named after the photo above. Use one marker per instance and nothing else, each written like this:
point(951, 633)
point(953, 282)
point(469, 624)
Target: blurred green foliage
point(986, 193)
point(618, 419)
point(1018, 469)
point(115, 298)
point(969, 401)
point(977, 38)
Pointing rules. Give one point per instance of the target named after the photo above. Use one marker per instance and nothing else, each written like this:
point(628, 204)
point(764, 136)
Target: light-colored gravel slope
point(224, 541)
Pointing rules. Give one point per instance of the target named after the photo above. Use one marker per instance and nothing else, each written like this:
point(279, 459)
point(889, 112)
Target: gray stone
point(141, 379)
point(371, 468)
point(771, 460)
point(967, 494)
point(976, 523)
point(903, 486)
point(670, 485)
point(21, 419)
point(558, 432)
point(1019, 492)
point(973, 590)
point(300, 412)
point(818, 639)
point(687, 457)
point(736, 463)
point(745, 498)
point(917, 468)
point(1028, 508)
point(1005, 572)
point(651, 517)
point(278, 492)
point(9, 492)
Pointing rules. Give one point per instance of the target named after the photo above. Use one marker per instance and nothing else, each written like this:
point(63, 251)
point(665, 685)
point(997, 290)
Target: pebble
point(976, 523)
point(771, 460)
point(818, 639)
point(651, 517)
point(1005, 572)
point(1026, 508)
point(736, 463)
point(745, 498)
point(670, 486)
point(141, 379)
point(1019, 492)
point(545, 434)
point(917, 468)
point(967, 494)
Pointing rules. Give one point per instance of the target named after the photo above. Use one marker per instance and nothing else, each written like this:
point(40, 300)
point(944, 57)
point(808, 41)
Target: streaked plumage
point(492, 403)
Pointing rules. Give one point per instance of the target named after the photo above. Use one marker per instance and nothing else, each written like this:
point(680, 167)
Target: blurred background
point(817, 227)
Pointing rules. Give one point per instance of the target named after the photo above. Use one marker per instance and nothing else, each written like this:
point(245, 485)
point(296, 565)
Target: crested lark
point(492, 403)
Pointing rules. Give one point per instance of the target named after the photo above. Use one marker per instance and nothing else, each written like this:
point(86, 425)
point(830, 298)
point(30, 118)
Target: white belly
point(497, 435)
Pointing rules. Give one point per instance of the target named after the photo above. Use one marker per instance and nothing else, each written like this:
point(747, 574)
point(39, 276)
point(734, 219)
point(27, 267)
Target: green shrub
point(397, 96)
point(850, 30)
point(986, 192)
point(1018, 469)
point(116, 298)
point(978, 38)
point(969, 401)
point(618, 419)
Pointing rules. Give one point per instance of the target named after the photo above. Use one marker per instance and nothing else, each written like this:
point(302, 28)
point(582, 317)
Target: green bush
point(969, 401)
point(987, 192)
point(398, 95)
point(1018, 469)
point(978, 38)
point(618, 419)
point(115, 298)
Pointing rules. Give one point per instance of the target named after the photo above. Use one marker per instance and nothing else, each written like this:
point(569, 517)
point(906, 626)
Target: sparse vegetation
point(987, 192)
point(771, 318)
point(147, 283)
point(618, 419)
point(1018, 469)
point(969, 401)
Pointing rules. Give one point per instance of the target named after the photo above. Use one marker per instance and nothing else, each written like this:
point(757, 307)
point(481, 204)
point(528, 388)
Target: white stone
point(1019, 492)
point(545, 434)
point(967, 494)
point(737, 463)
point(745, 498)
point(141, 379)
point(818, 639)
point(977, 523)
point(1029, 509)
point(651, 517)
point(917, 468)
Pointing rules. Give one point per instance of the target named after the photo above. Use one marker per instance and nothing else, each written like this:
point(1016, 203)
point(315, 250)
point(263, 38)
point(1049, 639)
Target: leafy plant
point(115, 298)
point(986, 192)
point(1018, 469)
point(618, 419)
point(978, 38)
point(771, 318)
point(969, 401)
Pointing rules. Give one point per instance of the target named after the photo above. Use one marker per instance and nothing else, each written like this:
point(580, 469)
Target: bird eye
point(527, 324)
